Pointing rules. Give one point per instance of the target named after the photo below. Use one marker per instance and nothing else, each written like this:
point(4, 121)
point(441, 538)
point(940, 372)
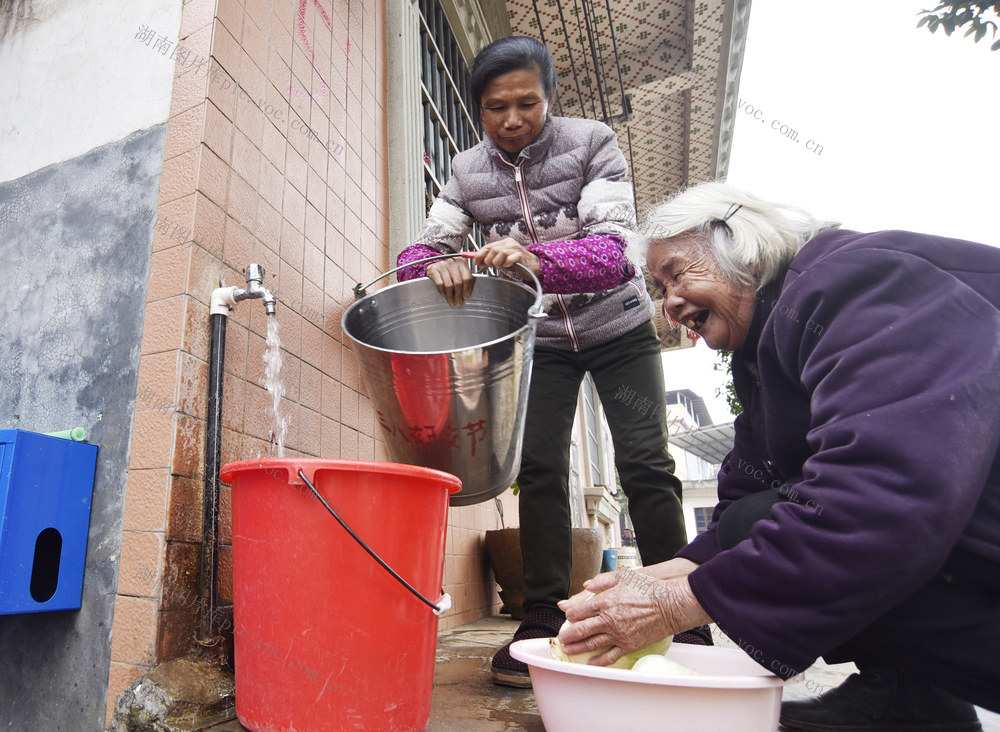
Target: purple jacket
point(870, 381)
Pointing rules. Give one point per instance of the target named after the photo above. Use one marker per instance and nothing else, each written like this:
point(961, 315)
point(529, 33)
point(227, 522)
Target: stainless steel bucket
point(449, 384)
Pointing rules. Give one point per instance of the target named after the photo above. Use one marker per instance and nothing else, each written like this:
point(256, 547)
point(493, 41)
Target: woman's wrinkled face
point(697, 294)
point(513, 109)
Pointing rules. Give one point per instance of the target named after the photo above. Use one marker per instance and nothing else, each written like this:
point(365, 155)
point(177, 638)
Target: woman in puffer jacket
point(552, 194)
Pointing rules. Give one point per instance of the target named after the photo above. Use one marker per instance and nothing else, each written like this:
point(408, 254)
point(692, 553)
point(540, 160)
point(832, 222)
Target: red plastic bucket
point(324, 637)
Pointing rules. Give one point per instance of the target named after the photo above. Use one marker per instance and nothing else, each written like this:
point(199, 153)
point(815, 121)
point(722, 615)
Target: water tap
point(255, 275)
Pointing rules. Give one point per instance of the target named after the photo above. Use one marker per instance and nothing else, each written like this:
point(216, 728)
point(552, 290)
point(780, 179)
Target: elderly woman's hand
point(629, 611)
point(453, 279)
point(678, 567)
point(505, 253)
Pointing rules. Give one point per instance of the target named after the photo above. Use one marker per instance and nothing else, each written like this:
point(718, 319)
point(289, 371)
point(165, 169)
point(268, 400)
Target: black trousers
point(947, 632)
point(628, 374)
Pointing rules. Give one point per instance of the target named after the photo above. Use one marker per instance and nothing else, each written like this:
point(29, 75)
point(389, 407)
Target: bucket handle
point(534, 312)
point(444, 602)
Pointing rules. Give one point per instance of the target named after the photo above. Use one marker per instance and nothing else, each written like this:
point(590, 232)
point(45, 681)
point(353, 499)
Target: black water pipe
point(210, 496)
point(223, 300)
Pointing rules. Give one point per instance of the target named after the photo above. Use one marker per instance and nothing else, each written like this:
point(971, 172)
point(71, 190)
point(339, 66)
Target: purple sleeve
point(413, 253)
point(443, 231)
point(591, 264)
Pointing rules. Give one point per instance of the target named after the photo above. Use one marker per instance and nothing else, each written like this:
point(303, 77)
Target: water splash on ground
point(274, 385)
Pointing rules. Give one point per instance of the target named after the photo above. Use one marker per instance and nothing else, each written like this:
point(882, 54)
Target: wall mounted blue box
point(46, 484)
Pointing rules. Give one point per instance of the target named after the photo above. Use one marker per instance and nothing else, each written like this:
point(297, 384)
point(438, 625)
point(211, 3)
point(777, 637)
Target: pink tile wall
point(467, 577)
point(275, 154)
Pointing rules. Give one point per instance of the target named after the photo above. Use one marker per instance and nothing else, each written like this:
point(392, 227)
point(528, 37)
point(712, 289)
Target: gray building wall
point(75, 247)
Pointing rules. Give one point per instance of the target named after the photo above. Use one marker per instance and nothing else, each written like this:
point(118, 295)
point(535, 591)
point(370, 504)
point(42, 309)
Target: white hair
point(753, 240)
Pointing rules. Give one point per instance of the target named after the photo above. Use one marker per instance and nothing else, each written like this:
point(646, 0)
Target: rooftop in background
point(663, 73)
point(693, 403)
point(711, 444)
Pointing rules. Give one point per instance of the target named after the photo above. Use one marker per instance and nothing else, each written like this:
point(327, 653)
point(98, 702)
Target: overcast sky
point(854, 114)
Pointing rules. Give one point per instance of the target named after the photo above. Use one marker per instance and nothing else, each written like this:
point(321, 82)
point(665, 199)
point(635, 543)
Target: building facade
point(697, 467)
point(150, 152)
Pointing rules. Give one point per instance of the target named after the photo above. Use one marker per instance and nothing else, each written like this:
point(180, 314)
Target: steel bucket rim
point(530, 324)
point(534, 312)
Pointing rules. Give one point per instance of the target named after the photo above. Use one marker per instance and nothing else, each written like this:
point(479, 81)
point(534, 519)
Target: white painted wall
point(75, 77)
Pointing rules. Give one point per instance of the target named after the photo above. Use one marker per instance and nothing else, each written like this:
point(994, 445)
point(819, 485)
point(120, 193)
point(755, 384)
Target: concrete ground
point(465, 699)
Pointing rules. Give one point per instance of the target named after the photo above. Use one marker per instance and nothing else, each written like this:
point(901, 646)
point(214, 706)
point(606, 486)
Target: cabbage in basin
point(626, 661)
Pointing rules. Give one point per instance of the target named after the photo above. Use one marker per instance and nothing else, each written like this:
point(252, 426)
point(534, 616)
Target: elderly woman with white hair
point(859, 510)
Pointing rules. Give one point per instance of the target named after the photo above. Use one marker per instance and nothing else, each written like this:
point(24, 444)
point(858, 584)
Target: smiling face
point(697, 295)
point(513, 109)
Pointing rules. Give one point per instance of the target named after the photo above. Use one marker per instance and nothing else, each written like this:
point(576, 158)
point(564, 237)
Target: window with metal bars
point(702, 518)
point(449, 124)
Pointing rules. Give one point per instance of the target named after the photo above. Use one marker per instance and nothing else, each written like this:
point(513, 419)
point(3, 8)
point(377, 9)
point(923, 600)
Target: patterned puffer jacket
point(568, 200)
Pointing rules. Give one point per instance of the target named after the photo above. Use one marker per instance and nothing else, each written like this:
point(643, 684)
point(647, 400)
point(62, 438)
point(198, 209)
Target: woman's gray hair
point(753, 240)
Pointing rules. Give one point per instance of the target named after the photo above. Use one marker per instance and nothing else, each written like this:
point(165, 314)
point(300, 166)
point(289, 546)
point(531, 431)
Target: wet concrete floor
point(466, 700)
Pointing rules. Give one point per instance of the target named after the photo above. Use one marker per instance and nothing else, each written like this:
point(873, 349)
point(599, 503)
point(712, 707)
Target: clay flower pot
point(503, 549)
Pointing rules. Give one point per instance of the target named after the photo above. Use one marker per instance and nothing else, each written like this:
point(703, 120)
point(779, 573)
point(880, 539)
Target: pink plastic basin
point(734, 694)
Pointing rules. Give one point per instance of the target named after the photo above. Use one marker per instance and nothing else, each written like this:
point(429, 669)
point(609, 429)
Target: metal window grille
point(449, 125)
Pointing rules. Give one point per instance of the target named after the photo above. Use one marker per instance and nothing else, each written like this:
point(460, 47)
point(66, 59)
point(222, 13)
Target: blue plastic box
point(46, 485)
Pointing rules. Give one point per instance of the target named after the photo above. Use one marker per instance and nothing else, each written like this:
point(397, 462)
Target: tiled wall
point(467, 577)
point(243, 183)
point(275, 154)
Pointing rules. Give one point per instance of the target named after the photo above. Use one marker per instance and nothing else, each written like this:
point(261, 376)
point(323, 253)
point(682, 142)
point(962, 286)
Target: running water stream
point(274, 385)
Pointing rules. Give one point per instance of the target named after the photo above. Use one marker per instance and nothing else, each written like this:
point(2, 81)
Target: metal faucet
point(255, 275)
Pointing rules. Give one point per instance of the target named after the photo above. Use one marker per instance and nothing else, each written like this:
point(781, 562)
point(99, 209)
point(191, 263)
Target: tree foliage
point(953, 14)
